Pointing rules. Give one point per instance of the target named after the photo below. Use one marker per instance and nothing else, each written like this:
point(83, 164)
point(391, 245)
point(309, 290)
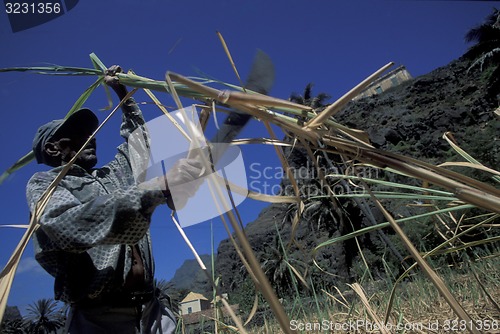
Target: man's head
point(58, 141)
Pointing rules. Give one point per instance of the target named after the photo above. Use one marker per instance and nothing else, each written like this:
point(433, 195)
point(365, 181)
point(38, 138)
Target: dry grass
point(420, 308)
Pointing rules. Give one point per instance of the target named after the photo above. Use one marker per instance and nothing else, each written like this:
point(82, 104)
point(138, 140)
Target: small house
point(392, 79)
point(193, 302)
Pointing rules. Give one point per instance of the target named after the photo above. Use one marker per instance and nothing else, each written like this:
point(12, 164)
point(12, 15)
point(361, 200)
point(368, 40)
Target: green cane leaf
point(98, 64)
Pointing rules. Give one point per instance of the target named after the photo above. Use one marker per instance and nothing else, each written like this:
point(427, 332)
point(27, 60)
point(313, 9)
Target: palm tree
point(307, 99)
point(44, 317)
point(164, 291)
point(281, 268)
point(487, 49)
point(12, 321)
point(13, 326)
point(487, 35)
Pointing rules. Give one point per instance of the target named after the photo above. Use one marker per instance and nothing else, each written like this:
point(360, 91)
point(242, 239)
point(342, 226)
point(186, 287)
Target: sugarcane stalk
point(426, 268)
point(468, 190)
point(340, 103)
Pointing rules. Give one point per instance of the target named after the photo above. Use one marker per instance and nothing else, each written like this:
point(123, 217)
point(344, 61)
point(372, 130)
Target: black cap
point(83, 118)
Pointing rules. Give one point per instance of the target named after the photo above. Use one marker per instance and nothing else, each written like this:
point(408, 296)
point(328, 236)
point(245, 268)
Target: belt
point(136, 298)
point(118, 299)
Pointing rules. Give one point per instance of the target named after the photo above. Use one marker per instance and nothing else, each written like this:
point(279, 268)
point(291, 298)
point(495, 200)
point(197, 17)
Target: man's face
point(68, 144)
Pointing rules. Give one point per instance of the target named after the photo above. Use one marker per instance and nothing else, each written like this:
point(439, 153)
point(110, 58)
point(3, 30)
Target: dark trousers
point(151, 318)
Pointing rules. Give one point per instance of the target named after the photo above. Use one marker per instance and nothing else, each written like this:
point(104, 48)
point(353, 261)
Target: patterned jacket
point(92, 220)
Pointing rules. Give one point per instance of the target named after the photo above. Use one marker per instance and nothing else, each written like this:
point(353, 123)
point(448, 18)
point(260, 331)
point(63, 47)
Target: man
point(94, 233)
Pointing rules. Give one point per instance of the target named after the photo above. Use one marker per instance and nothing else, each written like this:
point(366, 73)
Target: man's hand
point(112, 81)
point(183, 180)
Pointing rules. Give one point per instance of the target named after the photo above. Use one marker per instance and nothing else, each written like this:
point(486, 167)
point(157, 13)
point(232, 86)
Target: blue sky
point(334, 44)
